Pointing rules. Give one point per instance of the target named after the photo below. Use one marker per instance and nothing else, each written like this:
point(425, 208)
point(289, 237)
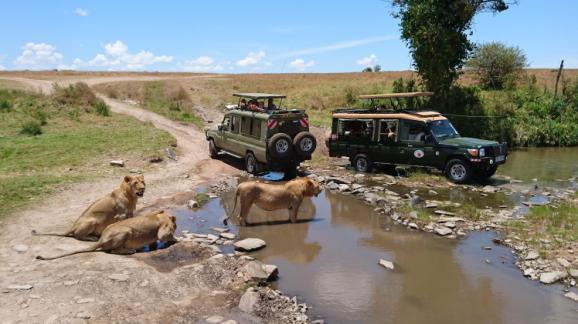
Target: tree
point(496, 64)
point(377, 68)
point(367, 69)
point(436, 32)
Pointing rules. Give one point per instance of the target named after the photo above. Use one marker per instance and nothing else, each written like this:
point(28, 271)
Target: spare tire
point(305, 143)
point(280, 146)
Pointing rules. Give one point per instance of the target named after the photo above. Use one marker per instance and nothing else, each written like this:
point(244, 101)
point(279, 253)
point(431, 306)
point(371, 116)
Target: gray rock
point(332, 186)
point(19, 287)
point(343, 187)
point(371, 198)
point(443, 212)
point(219, 229)
point(573, 273)
point(229, 322)
point(490, 189)
point(249, 244)
point(563, 262)
point(337, 180)
point(171, 154)
point(571, 295)
point(416, 202)
point(552, 277)
point(118, 277)
point(117, 163)
point(413, 226)
point(193, 204)
point(214, 319)
point(212, 237)
point(21, 248)
point(413, 214)
point(386, 264)
point(85, 300)
point(432, 192)
point(431, 204)
point(259, 271)
point(442, 230)
point(229, 236)
point(356, 186)
point(249, 301)
point(532, 255)
point(83, 315)
point(450, 224)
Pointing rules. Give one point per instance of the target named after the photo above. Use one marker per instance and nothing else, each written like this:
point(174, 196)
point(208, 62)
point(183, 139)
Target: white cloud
point(202, 64)
point(301, 65)
point(118, 56)
point(368, 60)
point(81, 12)
point(251, 59)
point(2, 68)
point(117, 48)
point(337, 46)
point(37, 56)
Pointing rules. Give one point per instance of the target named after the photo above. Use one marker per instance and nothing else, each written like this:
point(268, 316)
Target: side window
point(412, 131)
point(256, 128)
point(246, 125)
point(388, 130)
point(226, 123)
point(235, 124)
point(355, 128)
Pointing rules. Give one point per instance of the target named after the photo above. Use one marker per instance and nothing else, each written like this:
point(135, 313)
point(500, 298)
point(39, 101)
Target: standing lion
point(274, 196)
point(117, 205)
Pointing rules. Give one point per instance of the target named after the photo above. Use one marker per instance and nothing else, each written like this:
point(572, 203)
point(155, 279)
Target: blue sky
point(253, 35)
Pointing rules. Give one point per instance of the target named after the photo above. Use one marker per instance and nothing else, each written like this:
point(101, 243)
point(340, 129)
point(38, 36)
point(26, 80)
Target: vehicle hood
point(467, 142)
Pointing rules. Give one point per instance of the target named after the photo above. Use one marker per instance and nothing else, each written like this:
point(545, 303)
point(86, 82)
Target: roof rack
point(397, 95)
point(256, 95)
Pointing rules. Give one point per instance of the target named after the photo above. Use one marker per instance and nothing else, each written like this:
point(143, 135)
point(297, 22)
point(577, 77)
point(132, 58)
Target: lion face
point(136, 184)
point(313, 188)
point(168, 226)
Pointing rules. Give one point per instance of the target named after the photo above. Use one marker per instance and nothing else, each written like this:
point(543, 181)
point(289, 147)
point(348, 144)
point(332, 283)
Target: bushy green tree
point(436, 32)
point(496, 64)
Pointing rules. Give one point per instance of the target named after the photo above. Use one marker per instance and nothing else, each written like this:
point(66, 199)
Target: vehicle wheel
point(362, 163)
point(458, 170)
point(213, 150)
point(305, 143)
point(251, 163)
point(280, 146)
point(485, 174)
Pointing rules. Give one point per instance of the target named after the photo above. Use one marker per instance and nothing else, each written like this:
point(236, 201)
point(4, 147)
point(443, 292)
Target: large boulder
point(552, 277)
point(256, 270)
point(249, 301)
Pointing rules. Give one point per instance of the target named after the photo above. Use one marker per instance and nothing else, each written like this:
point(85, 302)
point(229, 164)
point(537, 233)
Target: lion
point(126, 236)
point(272, 197)
point(117, 205)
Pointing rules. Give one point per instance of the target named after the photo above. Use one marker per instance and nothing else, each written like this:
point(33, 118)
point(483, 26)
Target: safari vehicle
point(376, 136)
point(271, 139)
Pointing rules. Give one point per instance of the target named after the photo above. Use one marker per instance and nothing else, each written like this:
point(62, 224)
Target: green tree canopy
point(496, 64)
point(436, 32)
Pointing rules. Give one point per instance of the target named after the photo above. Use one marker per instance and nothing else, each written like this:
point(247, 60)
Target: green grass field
point(76, 143)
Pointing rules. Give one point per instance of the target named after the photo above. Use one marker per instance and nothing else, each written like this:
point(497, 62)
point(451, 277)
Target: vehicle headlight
point(482, 152)
point(473, 152)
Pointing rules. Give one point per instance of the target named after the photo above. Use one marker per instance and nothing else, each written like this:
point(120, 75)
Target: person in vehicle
point(271, 105)
point(416, 133)
point(253, 106)
point(243, 104)
point(391, 134)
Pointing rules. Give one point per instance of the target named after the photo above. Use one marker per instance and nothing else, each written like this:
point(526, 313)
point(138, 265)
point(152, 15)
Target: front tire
point(362, 163)
point(458, 170)
point(251, 163)
point(213, 150)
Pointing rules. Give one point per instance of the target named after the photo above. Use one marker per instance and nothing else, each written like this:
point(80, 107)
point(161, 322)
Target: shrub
point(41, 117)
point(32, 128)
point(497, 66)
point(101, 108)
point(5, 105)
point(75, 94)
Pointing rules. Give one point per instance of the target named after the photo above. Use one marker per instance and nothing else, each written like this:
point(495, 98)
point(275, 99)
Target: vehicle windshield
point(443, 129)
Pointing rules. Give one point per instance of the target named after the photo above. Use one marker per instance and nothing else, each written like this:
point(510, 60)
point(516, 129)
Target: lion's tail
point(234, 207)
point(92, 248)
point(67, 234)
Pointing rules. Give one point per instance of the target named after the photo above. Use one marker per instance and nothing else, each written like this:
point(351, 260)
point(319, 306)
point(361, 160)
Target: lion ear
point(127, 178)
point(174, 219)
point(141, 176)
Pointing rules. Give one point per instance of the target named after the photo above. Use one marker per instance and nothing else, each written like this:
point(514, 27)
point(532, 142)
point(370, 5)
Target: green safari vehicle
point(264, 135)
point(376, 136)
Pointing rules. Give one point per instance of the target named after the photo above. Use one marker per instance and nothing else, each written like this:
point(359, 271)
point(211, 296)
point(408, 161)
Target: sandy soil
point(73, 289)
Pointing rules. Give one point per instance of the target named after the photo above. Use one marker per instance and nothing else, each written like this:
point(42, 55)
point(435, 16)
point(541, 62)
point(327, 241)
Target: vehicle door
point(386, 150)
point(413, 148)
point(355, 136)
point(223, 129)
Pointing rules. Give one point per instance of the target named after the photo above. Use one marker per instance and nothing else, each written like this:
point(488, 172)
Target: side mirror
point(220, 127)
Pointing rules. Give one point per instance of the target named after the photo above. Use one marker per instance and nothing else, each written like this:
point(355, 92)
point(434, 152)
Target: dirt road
point(99, 286)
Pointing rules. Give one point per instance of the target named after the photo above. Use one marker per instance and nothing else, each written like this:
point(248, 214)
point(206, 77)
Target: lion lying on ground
point(115, 206)
point(272, 197)
point(126, 236)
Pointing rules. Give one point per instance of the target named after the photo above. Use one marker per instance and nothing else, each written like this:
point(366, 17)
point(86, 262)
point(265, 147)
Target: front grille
point(495, 150)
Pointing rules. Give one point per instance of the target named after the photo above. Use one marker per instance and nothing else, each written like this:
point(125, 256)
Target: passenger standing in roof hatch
point(271, 105)
point(243, 104)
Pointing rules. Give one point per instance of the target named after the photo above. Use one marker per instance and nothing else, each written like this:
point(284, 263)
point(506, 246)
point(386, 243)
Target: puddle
point(330, 259)
point(170, 259)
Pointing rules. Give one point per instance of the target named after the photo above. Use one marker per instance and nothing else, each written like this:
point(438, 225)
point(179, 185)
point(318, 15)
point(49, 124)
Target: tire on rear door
point(304, 143)
point(280, 146)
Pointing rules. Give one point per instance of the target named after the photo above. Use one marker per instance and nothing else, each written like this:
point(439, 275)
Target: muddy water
point(549, 165)
point(330, 258)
